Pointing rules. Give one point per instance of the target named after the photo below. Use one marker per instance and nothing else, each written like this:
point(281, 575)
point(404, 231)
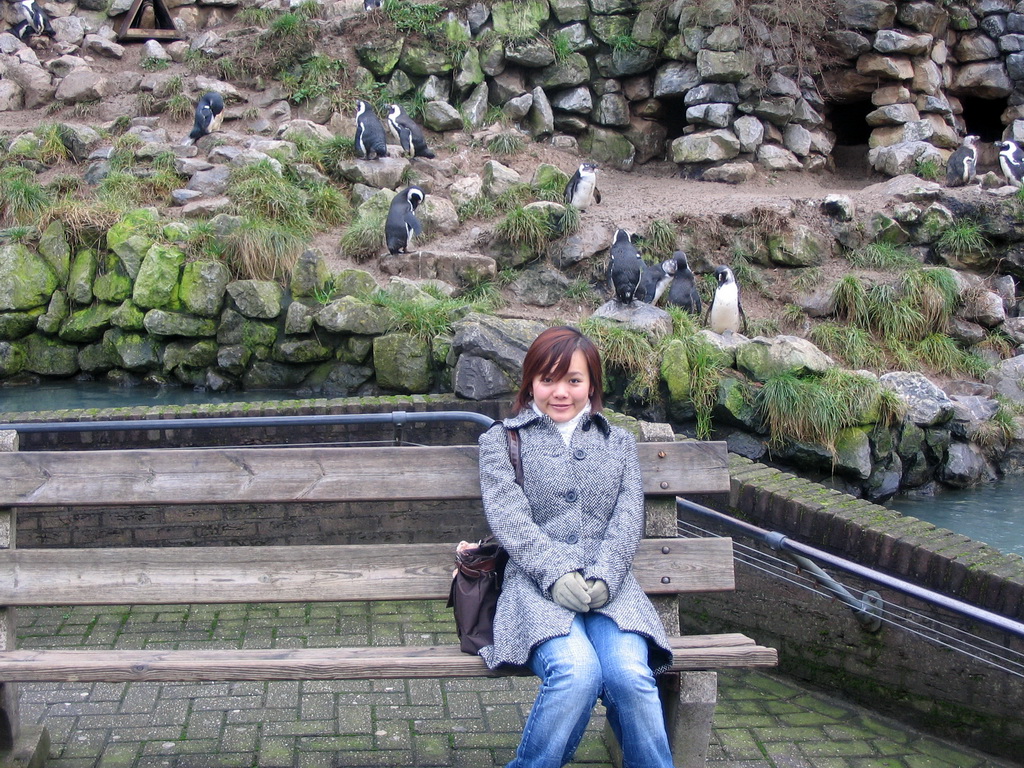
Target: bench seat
point(691, 652)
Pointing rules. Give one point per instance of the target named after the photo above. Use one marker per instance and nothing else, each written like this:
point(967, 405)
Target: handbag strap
point(515, 454)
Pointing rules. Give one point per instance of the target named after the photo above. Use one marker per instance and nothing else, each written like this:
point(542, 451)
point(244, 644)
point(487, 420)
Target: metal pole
point(398, 418)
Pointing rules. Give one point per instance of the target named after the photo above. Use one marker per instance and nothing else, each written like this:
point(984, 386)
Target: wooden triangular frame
point(165, 29)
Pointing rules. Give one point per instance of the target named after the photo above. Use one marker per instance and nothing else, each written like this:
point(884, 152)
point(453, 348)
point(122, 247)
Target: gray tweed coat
point(582, 509)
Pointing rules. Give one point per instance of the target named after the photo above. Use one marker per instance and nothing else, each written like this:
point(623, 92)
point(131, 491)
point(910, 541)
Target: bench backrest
point(307, 474)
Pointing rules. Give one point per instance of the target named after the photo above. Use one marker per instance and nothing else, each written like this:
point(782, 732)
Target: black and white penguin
point(372, 5)
point(655, 281)
point(1011, 161)
point(726, 308)
point(34, 21)
point(683, 290)
point(371, 141)
point(402, 223)
point(408, 133)
point(582, 191)
point(625, 267)
point(209, 116)
point(963, 163)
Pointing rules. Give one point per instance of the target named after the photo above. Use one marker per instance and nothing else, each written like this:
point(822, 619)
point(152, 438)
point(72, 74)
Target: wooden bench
point(667, 567)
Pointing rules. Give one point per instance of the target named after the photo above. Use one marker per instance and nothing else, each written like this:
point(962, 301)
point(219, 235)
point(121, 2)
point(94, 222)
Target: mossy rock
point(402, 362)
point(310, 275)
point(132, 237)
point(380, 56)
point(12, 358)
point(135, 351)
point(53, 246)
point(520, 20)
point(88, 324)
point(156, 284)
point(128, 317)
point(160, 322)
point(48, 356)
point(27, 281)
point(81, 276)
point(112, 283)
point(202, 287)
point(675, 370)
point(15, 325)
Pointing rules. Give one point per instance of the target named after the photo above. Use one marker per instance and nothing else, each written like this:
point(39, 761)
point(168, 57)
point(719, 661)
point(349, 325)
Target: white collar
point(565, 428)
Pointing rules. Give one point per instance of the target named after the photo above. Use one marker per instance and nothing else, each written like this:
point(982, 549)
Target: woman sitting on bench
point(570, 608)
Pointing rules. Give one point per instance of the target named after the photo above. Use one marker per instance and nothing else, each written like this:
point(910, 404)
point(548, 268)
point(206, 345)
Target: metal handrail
point(782, 543)
point(398, 418)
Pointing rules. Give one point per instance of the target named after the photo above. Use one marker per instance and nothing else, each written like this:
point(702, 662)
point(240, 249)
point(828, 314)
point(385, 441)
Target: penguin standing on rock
point(209, 116)
point(402, 223)
point(581, 191)
point(655, 281)
point(726, 312)
point(963, 163)
point(683, 290)
point(371, 141)
point(408, 133)
point(34, 21)
point(1011, 161)
point(625, 268)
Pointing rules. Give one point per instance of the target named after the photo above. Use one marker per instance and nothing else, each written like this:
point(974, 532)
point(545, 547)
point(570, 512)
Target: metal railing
point(869, 608)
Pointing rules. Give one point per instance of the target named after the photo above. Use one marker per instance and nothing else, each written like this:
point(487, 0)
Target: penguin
point(408, 133)
point(372, 5)
point(683, 290)
point(582, 191)
point(726, 313)
point(209, 116)
point(402, 223)
point(371, 141)
point(35, 21)
point(1011, 161)
point(625, 267)
point(962, 164)
point(655, 281)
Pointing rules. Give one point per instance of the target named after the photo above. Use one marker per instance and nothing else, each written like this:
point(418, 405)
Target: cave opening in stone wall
point(850, 126)
point(673, 118)
point(984, 119)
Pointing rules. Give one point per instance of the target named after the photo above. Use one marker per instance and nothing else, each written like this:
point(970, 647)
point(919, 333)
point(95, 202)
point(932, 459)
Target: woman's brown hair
point(551, 354)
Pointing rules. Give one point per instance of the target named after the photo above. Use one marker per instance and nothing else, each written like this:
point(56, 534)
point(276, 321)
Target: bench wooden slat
point(152, 576)
point(239, 475)
point(691, 652)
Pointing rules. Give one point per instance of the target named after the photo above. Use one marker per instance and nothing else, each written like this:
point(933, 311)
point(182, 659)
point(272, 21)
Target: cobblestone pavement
point(762, 721)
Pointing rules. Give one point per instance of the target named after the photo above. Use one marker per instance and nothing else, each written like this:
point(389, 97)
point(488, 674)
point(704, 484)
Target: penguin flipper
point(743, 315)
point(413, 224)
point(597, 195)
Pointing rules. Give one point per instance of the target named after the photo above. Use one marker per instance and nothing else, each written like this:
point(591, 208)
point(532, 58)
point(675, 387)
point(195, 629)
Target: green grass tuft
point(526, 227)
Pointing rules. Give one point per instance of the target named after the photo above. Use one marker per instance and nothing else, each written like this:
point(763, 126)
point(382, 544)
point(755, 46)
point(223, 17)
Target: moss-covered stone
point(675, 370)
point(609, 29)
point(402, 362)
point(354, 282)
point(88, 324)
point(132, 237)
point(799, 246)
point(609, 148)
point(156, 284)
point(309, 275)
point(12, 358)
point(356, 349)
point(520, 20)
point(853, 452)
point(567, 11)
point(53, 246)
point(734, 404)
point(423, 59)
point(265, 374)
point(50, 357)
point(350, 315)
point(160, 322)
point(56, 313)
point(192, 354)
point(233, 358)
point(26, 280)
point(14, 325)
point(301, 351)
point(259, 299)
point(112, 283)
point(202, 287)
point(98, 357)
point(380, 55)
point(81, 275)
point(135, 351)
point(128, 317)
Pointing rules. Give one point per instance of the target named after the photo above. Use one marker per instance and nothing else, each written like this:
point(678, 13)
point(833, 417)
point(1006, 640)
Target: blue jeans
point(595, 659)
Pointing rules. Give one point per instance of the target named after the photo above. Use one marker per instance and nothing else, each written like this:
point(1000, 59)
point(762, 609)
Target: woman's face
point(564, 398)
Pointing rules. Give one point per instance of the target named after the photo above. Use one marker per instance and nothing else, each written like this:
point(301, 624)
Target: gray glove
point(598, 591)
point(570, 591)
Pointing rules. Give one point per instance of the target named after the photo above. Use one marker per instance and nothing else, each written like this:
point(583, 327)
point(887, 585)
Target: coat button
point(570, 496)
point(579, 454)
point(572, 539)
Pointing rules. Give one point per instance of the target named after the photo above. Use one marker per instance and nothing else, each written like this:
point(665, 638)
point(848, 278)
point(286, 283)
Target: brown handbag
point(479, 571)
